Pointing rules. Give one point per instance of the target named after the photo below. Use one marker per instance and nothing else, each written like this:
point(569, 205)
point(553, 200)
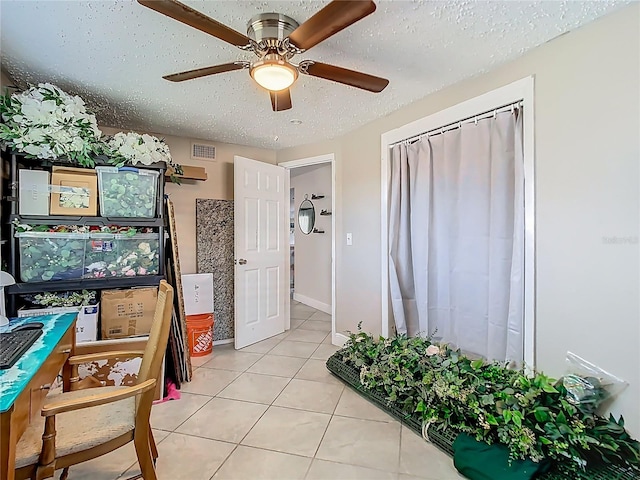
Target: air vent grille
point(202, 151)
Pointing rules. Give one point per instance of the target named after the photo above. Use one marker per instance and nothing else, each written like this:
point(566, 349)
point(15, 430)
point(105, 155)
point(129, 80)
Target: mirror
point(306, 216)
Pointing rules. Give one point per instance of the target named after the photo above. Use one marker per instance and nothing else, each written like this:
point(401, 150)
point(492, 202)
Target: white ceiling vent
point(203, 151)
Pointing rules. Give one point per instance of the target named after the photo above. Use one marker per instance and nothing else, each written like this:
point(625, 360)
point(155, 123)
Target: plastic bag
point(588, 385)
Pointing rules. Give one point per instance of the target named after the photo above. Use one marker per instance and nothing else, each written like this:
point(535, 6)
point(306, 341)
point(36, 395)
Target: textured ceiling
point(114, 53)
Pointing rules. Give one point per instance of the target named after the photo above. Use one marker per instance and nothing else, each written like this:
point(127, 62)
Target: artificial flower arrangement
point(532, 415)
point(136, 148)
point(94, 252)
point(46, 122)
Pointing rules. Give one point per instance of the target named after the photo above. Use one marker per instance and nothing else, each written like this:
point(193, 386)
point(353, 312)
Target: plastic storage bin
point(127, 192)
point(119, 255)
point(48, 256)
point(139, 254)
point(100, 255)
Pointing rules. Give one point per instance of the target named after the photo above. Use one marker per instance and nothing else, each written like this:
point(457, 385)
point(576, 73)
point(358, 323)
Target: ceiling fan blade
point(346, 76)
point(195, 19)
point(203, 72)
point(336, 16)
point(280, 100)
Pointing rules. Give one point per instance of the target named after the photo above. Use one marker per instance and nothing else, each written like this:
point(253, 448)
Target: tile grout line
point(262, 355)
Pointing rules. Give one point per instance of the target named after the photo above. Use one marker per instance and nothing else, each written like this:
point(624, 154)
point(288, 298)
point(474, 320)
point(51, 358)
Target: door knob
point(242, 261)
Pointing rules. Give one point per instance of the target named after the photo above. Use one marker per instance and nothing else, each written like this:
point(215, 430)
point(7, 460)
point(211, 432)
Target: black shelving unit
point(13, 263)
point(98, 221)
point(84, 283)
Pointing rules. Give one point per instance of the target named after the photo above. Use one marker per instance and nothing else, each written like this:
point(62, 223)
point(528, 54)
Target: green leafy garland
point(63, 299)
point(528, 414)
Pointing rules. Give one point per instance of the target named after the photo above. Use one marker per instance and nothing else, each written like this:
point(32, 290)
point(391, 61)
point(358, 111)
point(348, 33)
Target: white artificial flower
point(33, 149)
point(45, 122)
point(432, 350)
point(136, 148)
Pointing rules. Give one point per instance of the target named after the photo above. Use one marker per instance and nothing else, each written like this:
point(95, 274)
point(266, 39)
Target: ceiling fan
point(275, 38)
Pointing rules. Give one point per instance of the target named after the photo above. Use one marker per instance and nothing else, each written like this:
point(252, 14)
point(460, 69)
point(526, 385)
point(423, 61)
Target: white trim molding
point(339, 339)
point(520, 90)
point(303, 162)
point(323, 307)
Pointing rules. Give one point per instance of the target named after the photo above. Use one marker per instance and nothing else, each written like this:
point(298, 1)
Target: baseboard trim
point(323, 307)
point(223, 342)
point(339, 339)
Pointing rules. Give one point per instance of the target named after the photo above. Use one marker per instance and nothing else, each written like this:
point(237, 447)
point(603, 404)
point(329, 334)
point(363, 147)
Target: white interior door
point(261, 220)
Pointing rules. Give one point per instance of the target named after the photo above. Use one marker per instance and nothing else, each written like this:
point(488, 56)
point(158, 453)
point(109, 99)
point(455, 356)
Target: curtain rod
point(453, 125)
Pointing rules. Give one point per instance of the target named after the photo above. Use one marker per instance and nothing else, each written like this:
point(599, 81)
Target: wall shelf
point(84, 283)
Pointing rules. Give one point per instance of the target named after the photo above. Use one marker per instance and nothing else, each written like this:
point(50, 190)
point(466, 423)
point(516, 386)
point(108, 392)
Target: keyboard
point(14, 344)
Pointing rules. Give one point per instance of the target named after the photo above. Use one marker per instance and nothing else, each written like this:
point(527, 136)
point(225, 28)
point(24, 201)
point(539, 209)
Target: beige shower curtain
point(456, 236)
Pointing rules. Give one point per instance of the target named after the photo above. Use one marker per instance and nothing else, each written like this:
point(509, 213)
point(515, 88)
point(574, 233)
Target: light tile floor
point(273, 411)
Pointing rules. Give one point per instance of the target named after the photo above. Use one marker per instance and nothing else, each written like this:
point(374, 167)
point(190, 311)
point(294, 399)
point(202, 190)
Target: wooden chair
point(84, 424)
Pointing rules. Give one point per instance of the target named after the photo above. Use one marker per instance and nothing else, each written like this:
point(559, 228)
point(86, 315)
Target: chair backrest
point(159, 335)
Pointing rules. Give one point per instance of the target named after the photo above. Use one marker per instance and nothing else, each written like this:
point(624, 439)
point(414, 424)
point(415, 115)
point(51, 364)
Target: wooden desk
point(24, 386)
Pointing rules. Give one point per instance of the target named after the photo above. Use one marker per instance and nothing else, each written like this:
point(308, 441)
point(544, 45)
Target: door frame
point(330, 159)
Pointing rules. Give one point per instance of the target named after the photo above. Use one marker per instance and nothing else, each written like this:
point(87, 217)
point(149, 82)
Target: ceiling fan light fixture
point(273, 73)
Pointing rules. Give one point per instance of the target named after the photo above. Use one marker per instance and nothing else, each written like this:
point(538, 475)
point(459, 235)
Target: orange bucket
point(200, 334)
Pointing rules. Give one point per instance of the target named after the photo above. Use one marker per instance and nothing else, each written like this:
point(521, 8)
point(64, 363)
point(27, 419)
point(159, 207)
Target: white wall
point(587, 138)
point(313, 251)
point(219, 185)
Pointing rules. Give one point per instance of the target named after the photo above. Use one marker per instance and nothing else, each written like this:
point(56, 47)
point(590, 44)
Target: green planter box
point(444, 438)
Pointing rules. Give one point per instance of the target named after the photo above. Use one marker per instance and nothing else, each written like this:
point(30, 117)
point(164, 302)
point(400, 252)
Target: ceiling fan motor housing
point(269, 30)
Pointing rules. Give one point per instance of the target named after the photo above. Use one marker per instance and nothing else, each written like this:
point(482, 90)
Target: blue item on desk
point(14, 380)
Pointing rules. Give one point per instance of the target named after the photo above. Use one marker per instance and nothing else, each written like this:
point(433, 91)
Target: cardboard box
point(34, 192)
point(74, 191)
point(86, 323)
point(127, 313)
point(197, 290)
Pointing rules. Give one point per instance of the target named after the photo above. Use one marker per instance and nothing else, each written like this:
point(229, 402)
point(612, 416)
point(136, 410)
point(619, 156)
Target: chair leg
point(152, 443)
point(141, 441)
point(64, 474)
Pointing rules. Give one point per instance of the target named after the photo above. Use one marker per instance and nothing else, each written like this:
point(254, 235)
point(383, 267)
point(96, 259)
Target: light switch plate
point(349, 239)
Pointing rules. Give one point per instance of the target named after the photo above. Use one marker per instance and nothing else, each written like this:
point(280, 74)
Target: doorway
point(313, 285)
